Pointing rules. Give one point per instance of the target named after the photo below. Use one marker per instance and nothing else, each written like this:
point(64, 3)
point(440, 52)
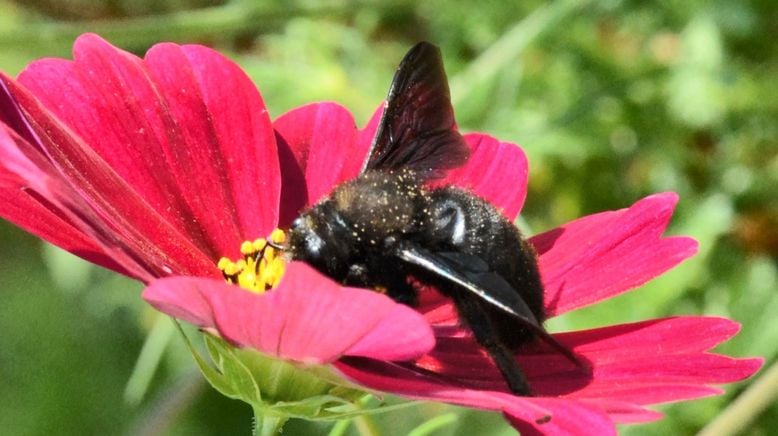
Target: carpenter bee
point(386, 229)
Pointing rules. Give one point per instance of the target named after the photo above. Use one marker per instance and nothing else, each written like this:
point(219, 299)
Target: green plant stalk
point(268, 424)
point(148, 360)
point(434, 424)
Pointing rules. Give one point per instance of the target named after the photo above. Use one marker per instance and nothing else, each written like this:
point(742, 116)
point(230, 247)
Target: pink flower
point(158, 167)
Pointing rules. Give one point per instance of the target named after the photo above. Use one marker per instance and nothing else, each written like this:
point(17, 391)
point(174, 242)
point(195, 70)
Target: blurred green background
point(612, 100)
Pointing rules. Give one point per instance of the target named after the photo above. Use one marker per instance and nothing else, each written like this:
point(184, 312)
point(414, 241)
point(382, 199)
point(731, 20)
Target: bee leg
point(357, 275)
point(400, 290)
point(393, 282)
point(486, 334)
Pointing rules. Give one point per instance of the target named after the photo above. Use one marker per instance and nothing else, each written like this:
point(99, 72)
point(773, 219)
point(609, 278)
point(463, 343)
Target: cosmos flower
point(161, 168)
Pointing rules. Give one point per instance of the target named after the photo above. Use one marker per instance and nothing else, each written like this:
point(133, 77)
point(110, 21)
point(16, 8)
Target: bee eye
point(297, 223)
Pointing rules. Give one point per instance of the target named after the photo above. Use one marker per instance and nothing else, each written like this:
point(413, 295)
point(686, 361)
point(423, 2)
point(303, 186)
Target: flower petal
point(603, 255)
point(496, 171)
point(23, 207)
point(657, 360)
point(648, 362)
point(409, 382)
point(294, 156)
point(367, 134)
point(229, 155)
point(675, 335)
point(401, 380)
point(106, 99)
point(57, 204)
point(622, 412)
point(633, 365)
point(308, 318)
point(58, 158)
point(323, 139)
point(565, 418)
point(163, 127)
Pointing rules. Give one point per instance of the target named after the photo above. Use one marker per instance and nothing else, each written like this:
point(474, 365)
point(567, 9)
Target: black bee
point(385, 227)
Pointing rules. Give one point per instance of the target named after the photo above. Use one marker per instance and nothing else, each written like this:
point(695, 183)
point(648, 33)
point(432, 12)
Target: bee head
point(321, 238)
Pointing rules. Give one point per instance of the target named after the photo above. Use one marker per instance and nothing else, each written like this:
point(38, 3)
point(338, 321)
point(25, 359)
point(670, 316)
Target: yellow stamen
point(261, 267)
point(278, 236)
point(246, 248)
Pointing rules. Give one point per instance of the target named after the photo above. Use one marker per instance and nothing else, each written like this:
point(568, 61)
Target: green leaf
point(240, 380)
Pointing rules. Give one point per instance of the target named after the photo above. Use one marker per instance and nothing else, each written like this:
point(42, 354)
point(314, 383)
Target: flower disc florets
point(262, 265)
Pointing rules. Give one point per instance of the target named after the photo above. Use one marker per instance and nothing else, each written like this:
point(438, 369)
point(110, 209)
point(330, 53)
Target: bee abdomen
point(464, 222)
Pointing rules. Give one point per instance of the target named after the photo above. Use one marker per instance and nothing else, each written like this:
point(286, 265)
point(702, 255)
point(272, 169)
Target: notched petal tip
point(603, 255)
point(744, 368)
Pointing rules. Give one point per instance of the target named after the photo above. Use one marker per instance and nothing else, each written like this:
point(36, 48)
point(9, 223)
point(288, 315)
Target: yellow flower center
point(261, 267)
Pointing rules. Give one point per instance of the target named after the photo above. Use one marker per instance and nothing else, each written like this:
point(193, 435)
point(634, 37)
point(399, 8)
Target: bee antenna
point(277, 246)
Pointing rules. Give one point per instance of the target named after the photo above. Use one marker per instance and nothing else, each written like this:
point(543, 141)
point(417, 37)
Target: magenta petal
point(322, 138)
point(533, 414)
point(296, 142)
point(228, 153)
point(106, 98)
point(186, 129)
point(308, 318)
point(496, 171)
point(677, 335)
point(648, 362)
point(603, 255)
point(392, 329)
point(566, 418)
point(398, 379)
point(367, 134)
point(23, 207)
point(22, 163)
point(409, 382)
point(652, 361)
point(624, 412)
point(116, 211)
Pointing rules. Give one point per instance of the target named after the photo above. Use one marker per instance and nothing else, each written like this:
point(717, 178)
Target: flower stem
point(366, 426)
point(268, 424)
point(434, 424)
point(340, 427)
point(149, 360)
point(747, 406)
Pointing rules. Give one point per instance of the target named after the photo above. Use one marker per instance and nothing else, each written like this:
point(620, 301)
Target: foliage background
point(612, 100)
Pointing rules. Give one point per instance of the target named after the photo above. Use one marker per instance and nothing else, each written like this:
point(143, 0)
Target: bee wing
point(417, 130)
point(472, 274)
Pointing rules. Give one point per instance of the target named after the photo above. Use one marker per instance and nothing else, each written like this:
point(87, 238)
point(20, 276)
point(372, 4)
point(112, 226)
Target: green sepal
point(276, 387)
point(282, 388)
point(234, 378)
